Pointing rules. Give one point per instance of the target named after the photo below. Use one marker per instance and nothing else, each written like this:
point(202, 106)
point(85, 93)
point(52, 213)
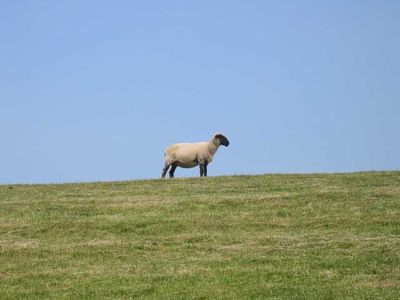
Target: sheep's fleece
point(189, 155)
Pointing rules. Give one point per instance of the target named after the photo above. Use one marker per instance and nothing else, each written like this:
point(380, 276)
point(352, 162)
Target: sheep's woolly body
point(189, 155)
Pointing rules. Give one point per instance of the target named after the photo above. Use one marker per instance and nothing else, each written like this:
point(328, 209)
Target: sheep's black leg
point(205, 169)
point(164, 171)
point(201, 170)
point(172, 171)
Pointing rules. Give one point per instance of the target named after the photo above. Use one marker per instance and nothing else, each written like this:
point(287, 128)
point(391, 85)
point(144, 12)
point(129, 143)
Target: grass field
point(270, 236)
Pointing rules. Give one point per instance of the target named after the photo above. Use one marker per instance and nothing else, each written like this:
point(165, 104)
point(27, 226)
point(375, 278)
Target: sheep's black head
point(222, 139)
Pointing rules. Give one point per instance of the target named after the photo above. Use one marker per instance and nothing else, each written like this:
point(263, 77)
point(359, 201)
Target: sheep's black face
point(222, 140)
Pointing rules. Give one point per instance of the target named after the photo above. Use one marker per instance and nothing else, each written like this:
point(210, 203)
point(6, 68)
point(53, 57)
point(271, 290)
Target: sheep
point(189, 155)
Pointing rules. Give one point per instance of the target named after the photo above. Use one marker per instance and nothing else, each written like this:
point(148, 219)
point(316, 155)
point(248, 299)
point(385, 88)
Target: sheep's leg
point(201, 170)
point(164, 171)
point(172, 171)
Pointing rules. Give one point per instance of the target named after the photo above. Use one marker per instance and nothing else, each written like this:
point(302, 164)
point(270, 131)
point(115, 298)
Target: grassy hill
point(270, 236)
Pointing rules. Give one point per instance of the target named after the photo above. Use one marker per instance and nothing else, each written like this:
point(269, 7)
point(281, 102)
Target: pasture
point(317, 236)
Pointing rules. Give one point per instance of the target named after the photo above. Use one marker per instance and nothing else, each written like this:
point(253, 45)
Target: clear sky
point(95, 90)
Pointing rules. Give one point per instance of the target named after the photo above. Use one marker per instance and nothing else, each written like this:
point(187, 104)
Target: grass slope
point(271, 236)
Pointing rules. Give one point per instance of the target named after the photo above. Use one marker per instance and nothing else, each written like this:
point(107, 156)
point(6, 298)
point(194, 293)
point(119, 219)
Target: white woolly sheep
point(189, 155)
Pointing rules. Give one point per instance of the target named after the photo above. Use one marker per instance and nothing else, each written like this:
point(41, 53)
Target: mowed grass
point(271, 236)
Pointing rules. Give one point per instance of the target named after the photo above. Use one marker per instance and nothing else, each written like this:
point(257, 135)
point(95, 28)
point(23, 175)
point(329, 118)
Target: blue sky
point(95, 90)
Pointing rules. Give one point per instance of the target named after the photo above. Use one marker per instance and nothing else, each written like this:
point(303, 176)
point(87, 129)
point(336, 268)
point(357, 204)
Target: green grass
point(271, 236)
